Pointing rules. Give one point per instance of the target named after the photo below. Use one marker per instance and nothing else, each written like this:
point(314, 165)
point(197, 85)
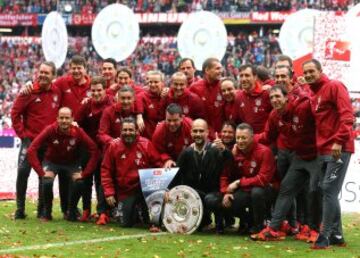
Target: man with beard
point(334, 120)
point(119, 171)
point(172, 135)
point(252, 102)
point(30, 115)
point(63, 143)
point(208, 89)
point(88, 118)
point(187, 66)
point(190, 103)
point(200, 166)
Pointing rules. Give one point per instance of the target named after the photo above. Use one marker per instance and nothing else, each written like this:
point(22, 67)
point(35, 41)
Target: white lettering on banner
point(256, 16)
point(279, 16)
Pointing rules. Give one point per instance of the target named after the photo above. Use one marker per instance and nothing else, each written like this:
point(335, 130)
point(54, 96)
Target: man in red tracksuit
point(119, 171)
point(172, 135)
point(88, 118)
point(74, 87)
point(191, 103)
point(187, 66)
point(208, 89)
point(30, 115)
point(248, 183)
point(228, 92)
point(334, 120)
point(110, 122)
point(292, 124)
point(252, 102)
point(108, 71)
point(63, 143)
point(151, 101)
point(124, 77)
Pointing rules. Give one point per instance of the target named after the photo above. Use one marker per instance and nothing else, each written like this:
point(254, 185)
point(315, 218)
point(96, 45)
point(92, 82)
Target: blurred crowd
point(140, 6)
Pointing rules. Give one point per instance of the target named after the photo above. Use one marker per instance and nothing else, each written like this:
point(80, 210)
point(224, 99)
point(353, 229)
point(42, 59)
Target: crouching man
point(63, 143)
point(119, 172)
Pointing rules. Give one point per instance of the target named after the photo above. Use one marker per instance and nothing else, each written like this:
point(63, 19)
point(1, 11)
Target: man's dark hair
point(209, 63)
point(284, 58)
point(129, 120)
point(245, 126)
point(315, 62)
point(125, 70)
point(51, 65)
point(111, 61)
point(278, 87)
point(229, 123)
point(78, 60)
point(98, 80)
point(126, 88)
point(174, 108)
point(183, 60)
point(246, 66)
point(262, 73)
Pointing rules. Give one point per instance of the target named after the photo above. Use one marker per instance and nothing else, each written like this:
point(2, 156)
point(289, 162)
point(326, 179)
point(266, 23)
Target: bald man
point(200, 166)
point(63, 143)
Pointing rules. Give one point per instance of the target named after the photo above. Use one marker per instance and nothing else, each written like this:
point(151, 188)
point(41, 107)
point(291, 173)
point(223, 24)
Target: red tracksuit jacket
point(210, 94)
point(119, 169)
point(89, 115)
point(334, 118)
point(71, 92)
point(153, 111)
point(253, 108)
point(169, 144)
point(110, 123)
point(191, 104)
point(32, 113)
point(62, 148)
point(254, 169)
point(229, 111)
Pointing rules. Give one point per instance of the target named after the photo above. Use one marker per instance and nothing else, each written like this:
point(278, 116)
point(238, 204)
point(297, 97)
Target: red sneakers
point(313, 236)
point(288, 229)
point(103, 219)
point(304, 233)
point(85, 216)
point(268, 234)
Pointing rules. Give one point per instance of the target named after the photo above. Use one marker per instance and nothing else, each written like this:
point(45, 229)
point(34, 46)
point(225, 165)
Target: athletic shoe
point(304, 233)
point(46, 218)
point(288, 229)
point(19, 214)
point(85, 216)
point(313, 236)
point(103, 219)
point(337, 240)
point(321, 242)
point(72, 216)
point(268, 234)
point(154, 229)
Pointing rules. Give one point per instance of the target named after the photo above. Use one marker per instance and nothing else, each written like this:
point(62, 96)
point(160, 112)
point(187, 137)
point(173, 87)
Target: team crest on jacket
point(296, 119)
point(55, 98)
point(219, 97)
point(117, 120)
point(72, 141)
point(55, 141)
point(253, 164)
point(151, 106)
point(68, 91)
point(258, 102)
point(186, 109)
point(123, 156)
point(216, 104)
point(37, 99)
point(170, 144)
point(242, 105)
point(90, 115)
point(138, 154)
point(240, 164)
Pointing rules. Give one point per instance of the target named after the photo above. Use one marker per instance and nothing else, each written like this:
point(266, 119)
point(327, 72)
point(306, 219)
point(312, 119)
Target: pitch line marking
point(77, 242)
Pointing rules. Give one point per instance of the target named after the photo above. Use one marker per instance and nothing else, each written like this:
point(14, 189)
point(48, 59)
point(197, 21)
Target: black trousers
point(131, 210)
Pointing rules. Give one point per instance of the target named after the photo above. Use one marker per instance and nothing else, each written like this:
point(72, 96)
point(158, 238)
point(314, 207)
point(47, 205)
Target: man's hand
point(227, 200)
point(336, 151)
point(85, 100)
point(27, 88)
point(140, 122)
point(76, 176)
point(74, 123)
point(233, 186)
point(166, 197)
point(169, 164)
point(164, 92)
point(218, 143)
point(111, 201)
point(266, 87)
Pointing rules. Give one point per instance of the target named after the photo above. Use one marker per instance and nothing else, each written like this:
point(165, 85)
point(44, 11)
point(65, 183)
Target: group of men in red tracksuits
point(240, 146)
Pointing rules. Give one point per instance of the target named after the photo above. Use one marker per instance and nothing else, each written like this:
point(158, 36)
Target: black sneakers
point(19, 214)
point(337, 240)
point(322, 242)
